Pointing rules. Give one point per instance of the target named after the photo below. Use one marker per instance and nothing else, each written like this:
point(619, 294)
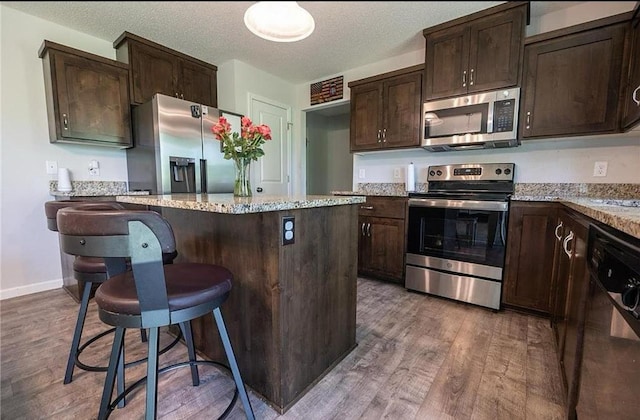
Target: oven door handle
point(459, 204)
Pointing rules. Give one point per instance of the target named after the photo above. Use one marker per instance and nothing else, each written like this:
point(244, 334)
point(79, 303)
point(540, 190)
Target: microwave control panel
point(503, 115)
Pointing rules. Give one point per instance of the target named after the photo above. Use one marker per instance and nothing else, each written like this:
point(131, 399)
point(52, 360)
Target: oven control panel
point(472, 172)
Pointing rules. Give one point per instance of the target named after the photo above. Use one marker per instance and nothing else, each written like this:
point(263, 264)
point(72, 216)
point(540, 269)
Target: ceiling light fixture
point(279, 21)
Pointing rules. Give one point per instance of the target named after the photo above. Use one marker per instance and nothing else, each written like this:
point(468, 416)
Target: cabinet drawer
point(393, 207)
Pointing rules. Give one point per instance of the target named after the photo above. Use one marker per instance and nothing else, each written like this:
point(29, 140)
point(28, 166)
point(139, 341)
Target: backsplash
point(92, 188)
point(621, 191)
point(616, 191)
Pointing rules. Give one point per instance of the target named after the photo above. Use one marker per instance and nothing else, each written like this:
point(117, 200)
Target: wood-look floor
point(418, 357)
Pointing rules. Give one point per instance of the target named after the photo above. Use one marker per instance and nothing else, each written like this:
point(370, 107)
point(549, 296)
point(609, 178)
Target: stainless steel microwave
point(482, 121)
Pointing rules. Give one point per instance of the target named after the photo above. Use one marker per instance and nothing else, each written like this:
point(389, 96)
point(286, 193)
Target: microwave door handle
point(490, 117)
point(459, 204)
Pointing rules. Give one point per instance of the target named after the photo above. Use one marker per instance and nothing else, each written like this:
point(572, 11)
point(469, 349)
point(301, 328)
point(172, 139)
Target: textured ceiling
point(347, 35)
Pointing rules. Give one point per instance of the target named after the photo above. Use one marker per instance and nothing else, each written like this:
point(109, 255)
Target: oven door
point(461, 236)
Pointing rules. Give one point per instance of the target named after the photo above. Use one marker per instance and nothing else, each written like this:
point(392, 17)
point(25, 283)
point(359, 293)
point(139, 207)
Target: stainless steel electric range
point(456, 237)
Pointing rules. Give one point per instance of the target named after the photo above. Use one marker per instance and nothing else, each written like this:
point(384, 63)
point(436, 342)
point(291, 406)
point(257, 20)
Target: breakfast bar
point(291, 314)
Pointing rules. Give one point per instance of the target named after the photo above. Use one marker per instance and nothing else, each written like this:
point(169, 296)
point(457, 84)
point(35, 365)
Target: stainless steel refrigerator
point(175, 150)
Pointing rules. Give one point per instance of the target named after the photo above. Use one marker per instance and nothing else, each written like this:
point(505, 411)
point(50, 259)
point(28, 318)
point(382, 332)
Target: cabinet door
point(561, 271)
point(446, 63)
point(93, 102)
point(364, 248)
point(632, 96)
point(365, 117)
point(575, 314)
point(530, 249)
point(402, 110)
point(571, 84)
point(386, 238)
point(198, 83)
point(153, 71)
point(495, 47)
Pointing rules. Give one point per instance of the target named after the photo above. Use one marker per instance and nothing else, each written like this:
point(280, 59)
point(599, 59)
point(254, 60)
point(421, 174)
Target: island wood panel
point(291, 312)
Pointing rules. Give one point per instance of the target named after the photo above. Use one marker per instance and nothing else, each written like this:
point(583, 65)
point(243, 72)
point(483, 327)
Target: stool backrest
point(142, 236)
point(51, 208)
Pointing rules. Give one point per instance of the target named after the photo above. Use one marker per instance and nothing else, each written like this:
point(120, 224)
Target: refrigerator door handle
point(203, 176)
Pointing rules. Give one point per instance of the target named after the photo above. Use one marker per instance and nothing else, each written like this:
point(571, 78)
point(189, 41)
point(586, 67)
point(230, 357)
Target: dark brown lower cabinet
point(530, 254)
point(570, 289)
point(381, 240)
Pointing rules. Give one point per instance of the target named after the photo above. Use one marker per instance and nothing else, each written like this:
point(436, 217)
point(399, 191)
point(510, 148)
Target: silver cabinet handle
point(471, 78)
point(177, 96)
point(634, 96)
point(362, 228)
point(368, 229)
point(565, 244)
point(366, 207)
point(182, 96)
point(379, 136)
point(384, 135)
point(528, 120)
point(65, 121)
point(558, 236)
point(464, 78)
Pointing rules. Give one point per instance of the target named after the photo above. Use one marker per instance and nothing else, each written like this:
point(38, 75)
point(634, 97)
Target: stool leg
point(248, 411)
point(77, 334)
point(188, 338)
point(152, 374)
point(118, 340)
point(120, 375)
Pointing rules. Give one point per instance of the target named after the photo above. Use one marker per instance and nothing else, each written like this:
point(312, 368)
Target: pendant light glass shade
point(279, 21)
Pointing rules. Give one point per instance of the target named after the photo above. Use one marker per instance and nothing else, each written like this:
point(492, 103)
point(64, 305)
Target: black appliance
point(456, 237)
point(610, 371)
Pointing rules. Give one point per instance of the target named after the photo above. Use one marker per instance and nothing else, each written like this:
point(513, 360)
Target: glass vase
point(242, 187)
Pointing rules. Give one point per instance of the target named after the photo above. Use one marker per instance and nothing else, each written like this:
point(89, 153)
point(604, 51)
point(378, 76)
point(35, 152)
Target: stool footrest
point(92, 368)
point(142, 380)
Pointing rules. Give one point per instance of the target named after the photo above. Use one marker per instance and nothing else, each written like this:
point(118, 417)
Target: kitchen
point(561, 161)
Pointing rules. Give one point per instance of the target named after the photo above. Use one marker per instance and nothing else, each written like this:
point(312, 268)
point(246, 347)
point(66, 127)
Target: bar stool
point(151, 295)
point(87, 271)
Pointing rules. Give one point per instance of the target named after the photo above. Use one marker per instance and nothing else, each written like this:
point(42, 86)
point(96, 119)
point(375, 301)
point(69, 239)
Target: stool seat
point(188, 285)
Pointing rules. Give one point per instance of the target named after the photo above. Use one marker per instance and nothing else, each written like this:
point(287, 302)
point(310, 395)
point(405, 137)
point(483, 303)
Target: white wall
point(29, 258)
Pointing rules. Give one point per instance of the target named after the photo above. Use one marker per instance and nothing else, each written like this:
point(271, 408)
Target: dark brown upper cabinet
point(154, 68)
point(573, 79)
point(475, 53)
point(87, 97)
point(386, 109)
point(632, 95)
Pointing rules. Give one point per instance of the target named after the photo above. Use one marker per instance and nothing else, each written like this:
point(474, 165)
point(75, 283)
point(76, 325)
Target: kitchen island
point(291, 314)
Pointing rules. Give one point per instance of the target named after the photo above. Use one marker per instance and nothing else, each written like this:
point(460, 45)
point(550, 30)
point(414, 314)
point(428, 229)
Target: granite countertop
point(228, 204)
point(623, 215)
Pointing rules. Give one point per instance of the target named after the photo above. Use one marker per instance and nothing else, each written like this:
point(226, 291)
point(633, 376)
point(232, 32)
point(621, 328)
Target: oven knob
point(439, 172)
point(432, 173)
point(498, 171)
point(507, 171)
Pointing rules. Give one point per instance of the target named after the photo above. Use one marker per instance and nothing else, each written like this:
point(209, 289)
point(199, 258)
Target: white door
point(270, 174)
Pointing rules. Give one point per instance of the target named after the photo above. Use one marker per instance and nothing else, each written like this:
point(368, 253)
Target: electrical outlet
point(287, 230)
point(361, 174)
point(600, 169)
point(52, 167)
point(396, 173)
point(94, 168)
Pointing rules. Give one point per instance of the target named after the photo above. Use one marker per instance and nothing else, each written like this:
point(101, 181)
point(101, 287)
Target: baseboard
point(29, 289)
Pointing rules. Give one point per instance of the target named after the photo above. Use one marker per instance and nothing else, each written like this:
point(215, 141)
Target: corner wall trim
point(29, 289)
